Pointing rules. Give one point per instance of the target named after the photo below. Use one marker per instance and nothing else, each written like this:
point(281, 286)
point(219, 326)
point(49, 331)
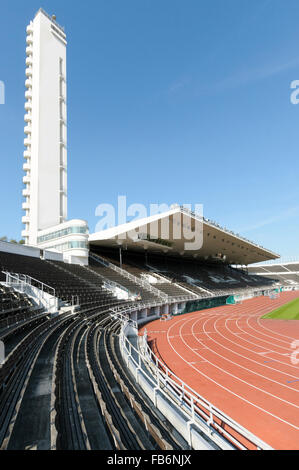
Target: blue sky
point(169, 101)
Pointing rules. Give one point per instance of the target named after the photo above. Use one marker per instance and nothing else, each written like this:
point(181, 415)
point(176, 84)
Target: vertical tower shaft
point(45, 142)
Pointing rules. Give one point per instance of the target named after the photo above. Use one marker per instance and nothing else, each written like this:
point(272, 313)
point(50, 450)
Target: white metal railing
point(130, 276)
point(125, 311)
point(141, 282)
point(165, 280)
point(107, 283)
point(197, 410)
point(43, 294)
point(192, 295)
point(165, 297)
point(29, 280)
point(278, 273)
point(283, 260)
point(137, 306)
point(125, 319)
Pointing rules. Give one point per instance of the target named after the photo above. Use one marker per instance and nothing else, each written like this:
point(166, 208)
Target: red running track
point(239, 362)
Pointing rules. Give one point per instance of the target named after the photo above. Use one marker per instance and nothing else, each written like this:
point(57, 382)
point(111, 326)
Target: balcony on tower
point(28, 117)
point(26, 166)
point(26, 205)
point(28, 106)
point(27, 129)
point(29, 50)
point(28, 83)
point(29, 39)
point(26, 192)
point(29, 29)
point(29, 61)
point(28, 72)
point(25, 219)
point(26, 179)
point(25, 234)
point(27, 154)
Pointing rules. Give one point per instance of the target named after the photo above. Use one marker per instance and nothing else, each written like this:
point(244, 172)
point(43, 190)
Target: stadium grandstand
point(144, 336)
point(283, 273)
point(73, 328)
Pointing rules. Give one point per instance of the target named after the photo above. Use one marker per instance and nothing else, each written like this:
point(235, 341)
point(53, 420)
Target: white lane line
point(272, 331)
point(263, 340)
point(196, 362)
point(246, 368)
point(259, 339)
point(260, 347)
point(230, 391)
point(292, 338)
point(260, 353)
point(265, 334)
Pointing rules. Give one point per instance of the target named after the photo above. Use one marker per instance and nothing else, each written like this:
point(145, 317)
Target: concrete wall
point(51, 255)
point(26, 250)
point(19, 249)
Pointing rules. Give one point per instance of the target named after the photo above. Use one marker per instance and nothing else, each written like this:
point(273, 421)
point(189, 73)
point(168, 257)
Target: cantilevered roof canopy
point(181, 232)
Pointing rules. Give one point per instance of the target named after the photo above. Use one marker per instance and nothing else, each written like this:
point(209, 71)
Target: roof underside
point(179, 233)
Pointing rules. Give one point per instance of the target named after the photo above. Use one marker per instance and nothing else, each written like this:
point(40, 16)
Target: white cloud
point(287, 214)
point(176, 86)
point(248, 75)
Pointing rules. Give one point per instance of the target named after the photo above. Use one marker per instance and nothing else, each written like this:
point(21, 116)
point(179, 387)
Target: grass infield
point(289, 311)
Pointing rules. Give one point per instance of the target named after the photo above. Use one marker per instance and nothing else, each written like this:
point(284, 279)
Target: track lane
point(217, 352)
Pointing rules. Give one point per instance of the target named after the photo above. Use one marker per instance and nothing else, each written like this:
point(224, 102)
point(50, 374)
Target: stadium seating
point(203, 279)
point(116, 277)
point(69, 287)
point(285, 274)
point(12, 302)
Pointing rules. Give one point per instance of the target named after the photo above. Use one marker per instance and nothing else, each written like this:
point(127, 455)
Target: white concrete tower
point(45, 155)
